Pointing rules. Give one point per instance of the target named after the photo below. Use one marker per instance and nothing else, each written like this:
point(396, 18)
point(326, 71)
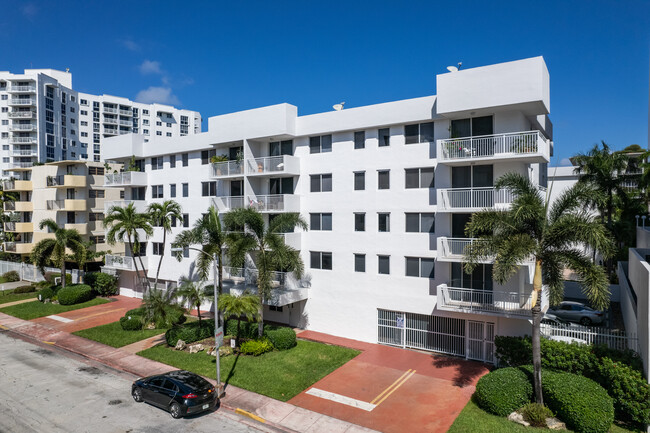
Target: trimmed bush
point(581, 403)
point(246, 329)
point(190, 332)
point(131, 323)
point(43, 284)
point(281, 337)
point(25, 289)
point(256, 347)
point(51, 277)
point(503, 391)
point(104, 284)
point(90, 278)
point(135, 312)
point(45, 294)
point(75, 294)
point(11, 276)
point(536, 414)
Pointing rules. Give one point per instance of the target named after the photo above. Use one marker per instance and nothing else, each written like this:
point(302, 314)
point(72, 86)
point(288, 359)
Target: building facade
point(386, 190)
point(42, 119)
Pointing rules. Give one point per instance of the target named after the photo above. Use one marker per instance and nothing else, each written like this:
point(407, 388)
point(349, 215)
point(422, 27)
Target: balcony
point(18, 247)
point(22, 89)
point(226, 203)
point(110, 121)
point(82, 228)
point(285, 289)
point(25, 152)
point(468, 200)
point(488, 302)
point(66, 181)
point(125, 263)
point(274, 165)
point(126, 113)
point(22, 102)
point(19, 227)
point(275, 203)
point(110, 110)
point(17, 185)
point(293, 240)
point(453, 249)
point(128, 123)
point(126, 178)
point(18, 206)
point(22, 164)
point(124, 131)
point(527, 146)
point(78, 205)
point(22, 127)
point(140, 205)
point(22, 140)
point(22, 115)
point(226, 169)
point(110, 131)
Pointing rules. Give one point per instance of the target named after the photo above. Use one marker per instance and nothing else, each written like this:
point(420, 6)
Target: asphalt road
point(44, 389)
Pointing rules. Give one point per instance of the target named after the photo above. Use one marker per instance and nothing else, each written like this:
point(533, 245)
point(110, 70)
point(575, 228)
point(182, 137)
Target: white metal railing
point(454, 248)
point(10, 247)
point(619, 340)
point(224, 203)
point(125, 178)
point(268, 164)
point(126, 112)
point(473, 198)
point(110, 110)
point(110, 131)
point(227, 168)
point(22, 164)
point(124, 131)
point(485, 301)
point(22, 127)
point(55, 204)
point(110, 121)
point(24, 152)
point(22, 89)
point(22, 140)
point(276, 202)
point(125, 262)
point(126, 122)
point(140, 205)
point(22, 101)
point(21, 114)
point(513, 143)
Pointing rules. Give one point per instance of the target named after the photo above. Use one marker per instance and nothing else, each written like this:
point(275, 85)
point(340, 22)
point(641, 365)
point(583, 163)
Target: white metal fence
point(29, 272)
point(592, 335)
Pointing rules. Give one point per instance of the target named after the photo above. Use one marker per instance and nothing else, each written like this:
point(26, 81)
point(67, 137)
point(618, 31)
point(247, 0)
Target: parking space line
point(396, 386)
point(60, 319)
point(338, 398)
point(391, 385)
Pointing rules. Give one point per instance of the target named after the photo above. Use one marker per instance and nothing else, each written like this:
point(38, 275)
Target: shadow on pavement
point(466, 372)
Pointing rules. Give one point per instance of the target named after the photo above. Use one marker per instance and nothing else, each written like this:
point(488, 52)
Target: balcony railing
point(126, 178)
point(126, 122)
point(110, 121)
point(473, 199)
point(22, 127)
point(24, 152)
point(22, 89)
point(22, 140)
point(18, 206)
point(22, 115)
point(110, 110)
point(112, 131)
point(454, 249)
point(285, 288)
point(17, 185)
point(22, 101)
point(227, 168)
point(18, 247)
point(125, 263)
point(284, 164)
point(19, 227)
point(67, 205)
point(22, 164)
point(66, 180)
point(275, 203)
point(226, 203)
point(511, 145)
point(487, 301)
point(126, 113)
point(140, 205)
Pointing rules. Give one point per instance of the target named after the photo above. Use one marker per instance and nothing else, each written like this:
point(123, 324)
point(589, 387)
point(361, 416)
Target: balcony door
point(236, 188)
point(480, 279)
point(279, 148)
point(472, 176)
point(458, 223)
point(477, 128)
point(283, 185)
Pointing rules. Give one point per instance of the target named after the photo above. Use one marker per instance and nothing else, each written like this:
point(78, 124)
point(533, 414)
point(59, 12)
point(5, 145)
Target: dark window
point(419, 267)
point(360, 140)
point(383, 264)
point(172, 161)
point(321, 182)
point(157, 191)
point(185, 158)
point(186, 190)
point(383, 179)
point(157, 163)
point(418, 133)
point(384, 222)
point(186, 220)
point(384, 137)
point(320, 144)
point(359, 263)
point(206, 155)
point(359, 180)
point(157, 248)
point(209, 189)
point(419, 177)
point(320, 260)
point(320, 221)
point(420, 222)
point(359, 222)
point(172, 190)
point(278, 148)
point(96, 193)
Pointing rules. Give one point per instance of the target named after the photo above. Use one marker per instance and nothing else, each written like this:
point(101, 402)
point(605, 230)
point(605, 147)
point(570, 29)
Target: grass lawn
point(32, 310)
point(278, 374)
point(113, 335)
point(473, 419)
point(11, 297)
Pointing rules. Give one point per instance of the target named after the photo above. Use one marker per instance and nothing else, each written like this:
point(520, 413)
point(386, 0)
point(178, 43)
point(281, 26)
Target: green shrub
point(503, 391)
point(281, 337)
point(52, 276)
point(135, 312)
point(246, 329)
point(11, 276)
point(75, 294)
point(25, 289)
point(43, 284)
point(190, 332)
point(536, 414)
point(131, 323)
point(90, 278)
point(581, 403)
point(45, 294)
point(628, 388)
point(256, 347)
point(104, 284)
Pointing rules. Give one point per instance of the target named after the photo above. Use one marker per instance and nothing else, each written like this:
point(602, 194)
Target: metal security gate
point(480, 341)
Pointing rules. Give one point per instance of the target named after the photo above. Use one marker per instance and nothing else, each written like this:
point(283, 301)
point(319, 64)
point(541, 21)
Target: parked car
point(552, 319)
point(577, 312)
point(179, 392)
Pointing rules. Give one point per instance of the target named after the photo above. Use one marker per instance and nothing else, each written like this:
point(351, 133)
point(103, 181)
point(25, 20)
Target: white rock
point(180, 345)
point(555, 424)
point(195, 348)
point(518, 418)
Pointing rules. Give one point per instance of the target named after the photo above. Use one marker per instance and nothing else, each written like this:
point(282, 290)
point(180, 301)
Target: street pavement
point(45, 389)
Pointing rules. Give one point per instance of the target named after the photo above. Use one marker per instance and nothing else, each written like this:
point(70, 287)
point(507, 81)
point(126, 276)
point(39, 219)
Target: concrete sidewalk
point(273, 413)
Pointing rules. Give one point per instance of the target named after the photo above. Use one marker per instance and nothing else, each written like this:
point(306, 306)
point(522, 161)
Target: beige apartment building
point(71, 193)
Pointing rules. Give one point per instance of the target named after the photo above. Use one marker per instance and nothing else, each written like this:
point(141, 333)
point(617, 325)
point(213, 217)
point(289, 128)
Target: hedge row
point(503, 391)
point(190, 332)
point(75, 294)
point(24, 289)
point(104, 284)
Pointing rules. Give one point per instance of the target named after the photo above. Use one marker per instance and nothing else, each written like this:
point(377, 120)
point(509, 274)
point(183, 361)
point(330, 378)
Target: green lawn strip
point(11, 297)
point(32, 310)
point(473, 419)
point(113, 335)
point(278, 374)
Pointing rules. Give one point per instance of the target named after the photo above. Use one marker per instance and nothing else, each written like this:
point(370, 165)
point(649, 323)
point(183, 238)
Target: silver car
point(577, 312)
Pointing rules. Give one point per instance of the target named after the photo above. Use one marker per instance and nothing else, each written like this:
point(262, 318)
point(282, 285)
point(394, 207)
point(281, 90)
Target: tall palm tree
point(161, 215)
point(54, 250)
point(249, 234)
point(193, 294)
point(124, 223)
point(555, 236)
point(245, 305)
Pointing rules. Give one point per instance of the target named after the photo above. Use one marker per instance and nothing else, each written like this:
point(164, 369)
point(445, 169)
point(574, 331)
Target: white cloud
point(150, 67)
point(29, 10)
point(161, 95)
point(565, 162)
point(130, 45)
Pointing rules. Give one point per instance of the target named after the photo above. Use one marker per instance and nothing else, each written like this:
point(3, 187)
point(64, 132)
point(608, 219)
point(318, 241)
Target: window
point(208, 189)
point(320, 144)
point(278, 148)
point(158, 248)
point(420, 222)
point(145, 112)
point(169, 125)
point(96, 193)
point(185, 159)
point(419, 267)
point(83, 101)
point(96, 216)
point(360, 140)
point(98, 239)
point(168, 134)
point(99, 171)
point(359, 222)
point(145, 131)
point(186, 190)
point(186, 220)
point(359, 180)
point(145, 122)
point(84, 134)
point(418, 133)
point(321, 182)
point(320, 260)
point(156, 191)
point(72, 109)
point(173, 221)
point(158, 123)
point(206, 155)
point(383, 263)
point(419, 177)
point(359, 263)
point(274, 308)
point(384, 222)
point(172, 190)
point(383, 179)
point(172, 161)
point(384, 137)
point(320, 221)
point(158, 132)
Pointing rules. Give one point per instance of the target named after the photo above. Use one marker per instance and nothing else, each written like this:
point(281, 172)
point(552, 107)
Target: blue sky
point(220, 57)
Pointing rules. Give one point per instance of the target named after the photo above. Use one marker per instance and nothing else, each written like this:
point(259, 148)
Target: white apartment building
point(42, 119)
point(386, 189)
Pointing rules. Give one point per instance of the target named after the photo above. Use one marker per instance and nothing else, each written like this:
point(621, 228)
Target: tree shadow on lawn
point(466, 372)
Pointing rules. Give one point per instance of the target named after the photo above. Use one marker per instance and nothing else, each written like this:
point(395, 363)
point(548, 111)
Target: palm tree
point(54, 250)
point(245, 305)
point(555, 236)
point(161, 215)
point(272, 254)
point(193, 294)
point(160, 307)
point(124, 223)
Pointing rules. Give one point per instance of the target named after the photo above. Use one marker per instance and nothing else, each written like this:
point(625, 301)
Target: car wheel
point(585, 321)
point(137, 395)
point(175, 410)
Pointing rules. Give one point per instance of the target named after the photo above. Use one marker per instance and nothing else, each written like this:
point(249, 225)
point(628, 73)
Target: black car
point(179, 392)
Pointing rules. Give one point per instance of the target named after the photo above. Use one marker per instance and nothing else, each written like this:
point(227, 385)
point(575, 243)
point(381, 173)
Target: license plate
point(205, 406)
